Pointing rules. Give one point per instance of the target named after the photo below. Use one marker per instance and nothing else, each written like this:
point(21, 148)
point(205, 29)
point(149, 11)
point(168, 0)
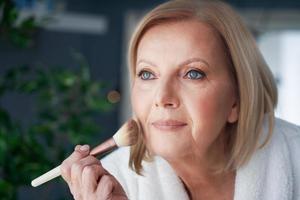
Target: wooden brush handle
point(46, 177)
point(102, 148)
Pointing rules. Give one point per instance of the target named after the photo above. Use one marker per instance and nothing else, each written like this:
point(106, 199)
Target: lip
point(168, 124)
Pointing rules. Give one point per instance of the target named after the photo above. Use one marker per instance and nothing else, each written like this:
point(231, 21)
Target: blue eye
point(145, 75)
point(195, 74)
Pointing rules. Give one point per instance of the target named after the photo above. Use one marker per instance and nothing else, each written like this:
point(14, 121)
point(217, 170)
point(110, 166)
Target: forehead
point(185, 29)
point(180, 40)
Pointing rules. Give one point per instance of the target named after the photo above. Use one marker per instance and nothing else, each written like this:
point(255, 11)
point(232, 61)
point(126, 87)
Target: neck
point(194, 171)
point(199, 173)
point(202, 182)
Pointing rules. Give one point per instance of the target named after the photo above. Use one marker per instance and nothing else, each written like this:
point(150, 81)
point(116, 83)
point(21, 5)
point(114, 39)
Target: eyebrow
point(145, 61)
point(190, 60)
point(194, 60)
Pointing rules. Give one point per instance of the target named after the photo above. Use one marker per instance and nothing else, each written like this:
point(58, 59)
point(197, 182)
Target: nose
point(167, 95)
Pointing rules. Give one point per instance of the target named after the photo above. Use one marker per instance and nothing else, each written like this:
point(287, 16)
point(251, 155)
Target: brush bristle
point(127, 135)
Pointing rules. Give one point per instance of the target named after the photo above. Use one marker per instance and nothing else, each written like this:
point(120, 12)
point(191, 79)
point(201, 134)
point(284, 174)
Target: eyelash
point(202, 74)
point(141, 73)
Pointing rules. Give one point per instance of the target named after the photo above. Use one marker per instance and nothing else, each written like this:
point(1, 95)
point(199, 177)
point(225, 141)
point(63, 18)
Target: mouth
point(168, 125)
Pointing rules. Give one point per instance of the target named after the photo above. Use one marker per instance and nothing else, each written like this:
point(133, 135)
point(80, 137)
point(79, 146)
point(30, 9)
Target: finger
point(105, 187)
point(110, 187)
point(98, 172)
point(90, 177)
point(77, 171)
point(79, 153)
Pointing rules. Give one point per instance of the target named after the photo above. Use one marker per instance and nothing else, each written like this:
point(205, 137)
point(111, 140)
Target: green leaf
point(98, 104)
point(68, 103)
point(29, 86)
point(28, 23)
point(12, 15)
point(6, 190)
point(19, 39)
point(4, 118)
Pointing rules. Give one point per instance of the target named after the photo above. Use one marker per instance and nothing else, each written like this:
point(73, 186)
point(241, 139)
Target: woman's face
point(183, 93)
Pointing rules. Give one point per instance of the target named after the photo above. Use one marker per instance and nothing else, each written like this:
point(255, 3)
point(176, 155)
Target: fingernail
point(84, 147)
point(77, 147)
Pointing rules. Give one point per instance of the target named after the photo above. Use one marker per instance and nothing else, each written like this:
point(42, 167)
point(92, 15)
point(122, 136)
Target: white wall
point(281, 50)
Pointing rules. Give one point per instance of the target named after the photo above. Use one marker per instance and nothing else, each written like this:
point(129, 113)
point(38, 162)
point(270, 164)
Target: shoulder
point(116, 158)
point(291, 135)
point(291, 132)
point(288, 133)
point(116, 163)
point(158, 181)
point(273, 170)
point(292, 129)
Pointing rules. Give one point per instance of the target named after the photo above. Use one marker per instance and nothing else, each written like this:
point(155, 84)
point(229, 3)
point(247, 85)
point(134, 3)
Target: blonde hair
point(257, 90)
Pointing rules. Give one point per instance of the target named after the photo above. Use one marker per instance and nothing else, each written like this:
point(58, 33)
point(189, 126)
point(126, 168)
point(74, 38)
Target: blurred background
point(64, 79)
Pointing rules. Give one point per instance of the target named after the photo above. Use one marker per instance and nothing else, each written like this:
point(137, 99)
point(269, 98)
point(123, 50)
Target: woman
point(205, 101)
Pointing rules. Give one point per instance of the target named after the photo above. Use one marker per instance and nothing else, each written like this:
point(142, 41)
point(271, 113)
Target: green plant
point(66, 104)
point(17, 31)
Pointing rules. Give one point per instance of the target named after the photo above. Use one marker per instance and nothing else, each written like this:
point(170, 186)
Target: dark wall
point(55, 49)
point(102, 51)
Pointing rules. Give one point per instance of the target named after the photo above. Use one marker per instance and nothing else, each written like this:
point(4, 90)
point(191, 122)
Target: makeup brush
point(125, 136)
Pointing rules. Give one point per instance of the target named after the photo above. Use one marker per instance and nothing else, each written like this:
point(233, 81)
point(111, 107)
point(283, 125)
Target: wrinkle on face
point(204, 105)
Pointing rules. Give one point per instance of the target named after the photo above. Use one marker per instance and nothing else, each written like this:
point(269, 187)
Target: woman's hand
point(87, 179)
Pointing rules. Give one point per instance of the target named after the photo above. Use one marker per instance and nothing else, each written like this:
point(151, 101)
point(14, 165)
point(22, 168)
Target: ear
point(234, 113)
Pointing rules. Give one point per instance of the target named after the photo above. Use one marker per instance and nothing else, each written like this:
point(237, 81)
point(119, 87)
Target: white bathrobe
point(273, 172)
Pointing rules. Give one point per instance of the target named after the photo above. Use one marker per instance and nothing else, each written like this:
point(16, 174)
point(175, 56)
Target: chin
point(169, 149)
point(168, 144)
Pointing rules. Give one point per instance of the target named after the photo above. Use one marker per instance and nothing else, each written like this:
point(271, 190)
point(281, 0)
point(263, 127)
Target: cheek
point(203, 106)
point(203, 114)
point(208, 111)
point(141, 103)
